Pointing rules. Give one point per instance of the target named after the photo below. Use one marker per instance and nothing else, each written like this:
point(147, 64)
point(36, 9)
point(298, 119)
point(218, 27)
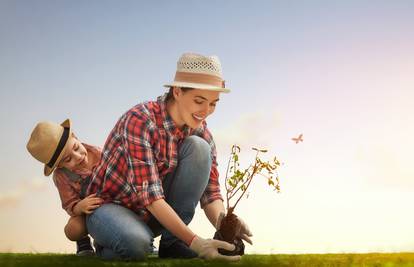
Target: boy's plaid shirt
point(140, 150)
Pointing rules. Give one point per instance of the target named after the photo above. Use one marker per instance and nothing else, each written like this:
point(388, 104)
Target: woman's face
point(194, 106)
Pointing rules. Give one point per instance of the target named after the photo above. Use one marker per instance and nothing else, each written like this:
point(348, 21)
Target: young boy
point(71, 163)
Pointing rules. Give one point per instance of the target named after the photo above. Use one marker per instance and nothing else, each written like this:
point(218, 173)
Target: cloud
point(13, 198)
point(258, 129)
point(385, 166)
point(36, 184)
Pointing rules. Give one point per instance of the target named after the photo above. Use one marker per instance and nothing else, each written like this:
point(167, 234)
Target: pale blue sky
point(338, 71)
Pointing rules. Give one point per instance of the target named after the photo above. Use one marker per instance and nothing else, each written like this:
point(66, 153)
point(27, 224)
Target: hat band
point(60, 147)
point(199, 78)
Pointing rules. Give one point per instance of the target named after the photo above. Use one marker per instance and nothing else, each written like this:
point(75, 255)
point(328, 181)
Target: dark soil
point(228, 228)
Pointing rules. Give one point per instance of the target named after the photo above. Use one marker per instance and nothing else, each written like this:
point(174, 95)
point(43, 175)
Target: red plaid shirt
point(140, 150)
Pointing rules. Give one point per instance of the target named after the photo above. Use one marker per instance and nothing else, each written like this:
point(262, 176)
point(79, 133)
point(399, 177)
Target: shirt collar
point(168, 122)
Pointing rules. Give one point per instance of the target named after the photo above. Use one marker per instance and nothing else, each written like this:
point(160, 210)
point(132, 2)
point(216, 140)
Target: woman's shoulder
point(144, 111)
point(149, 114)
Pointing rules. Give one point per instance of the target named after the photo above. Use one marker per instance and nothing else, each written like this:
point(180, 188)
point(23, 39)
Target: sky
point(340, 72)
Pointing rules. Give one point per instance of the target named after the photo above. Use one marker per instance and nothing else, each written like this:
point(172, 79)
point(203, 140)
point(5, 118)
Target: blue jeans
point(123, 235)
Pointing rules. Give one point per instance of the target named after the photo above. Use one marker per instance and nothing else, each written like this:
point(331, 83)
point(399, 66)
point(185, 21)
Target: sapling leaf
point(239, 181)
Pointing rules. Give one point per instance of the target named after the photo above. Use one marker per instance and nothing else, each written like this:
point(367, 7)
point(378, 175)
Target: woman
point(157, 163)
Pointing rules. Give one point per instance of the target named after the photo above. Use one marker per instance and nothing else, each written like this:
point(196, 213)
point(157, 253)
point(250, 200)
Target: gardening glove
point(245, 232)
point(208, 249)
point(242, 230)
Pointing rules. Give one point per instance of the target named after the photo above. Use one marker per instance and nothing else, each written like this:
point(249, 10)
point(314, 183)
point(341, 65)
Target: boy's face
point(74, 156)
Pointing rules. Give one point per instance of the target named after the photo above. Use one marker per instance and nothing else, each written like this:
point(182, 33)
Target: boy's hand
point(88, 204)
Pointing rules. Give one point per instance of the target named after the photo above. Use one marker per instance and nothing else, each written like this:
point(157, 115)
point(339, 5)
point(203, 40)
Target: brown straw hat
point(47, 142)
point(199, 72)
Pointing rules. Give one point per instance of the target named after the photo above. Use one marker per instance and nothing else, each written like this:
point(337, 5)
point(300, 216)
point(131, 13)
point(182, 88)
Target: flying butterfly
point(298, 139)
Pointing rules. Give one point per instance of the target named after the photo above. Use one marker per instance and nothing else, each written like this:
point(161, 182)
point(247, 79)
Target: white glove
point(245, 233)
point(208, 249)
point(242, 230)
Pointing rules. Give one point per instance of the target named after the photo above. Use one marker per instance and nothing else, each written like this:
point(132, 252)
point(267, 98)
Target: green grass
point(303, 260)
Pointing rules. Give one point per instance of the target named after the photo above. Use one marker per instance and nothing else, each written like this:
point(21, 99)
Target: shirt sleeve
point(68, 196)
point(142, 173)
point(212, 191)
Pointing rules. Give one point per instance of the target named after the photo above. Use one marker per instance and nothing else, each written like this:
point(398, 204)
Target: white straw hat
point(199, 72)
point(47, 142)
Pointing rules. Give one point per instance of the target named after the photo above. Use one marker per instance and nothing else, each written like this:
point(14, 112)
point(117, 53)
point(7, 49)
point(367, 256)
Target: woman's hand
point(208, 249)
point(242, 230)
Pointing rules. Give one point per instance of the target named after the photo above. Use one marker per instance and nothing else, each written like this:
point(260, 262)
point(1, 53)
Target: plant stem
point(250, 178)
point(228, 192)
point(247, 186)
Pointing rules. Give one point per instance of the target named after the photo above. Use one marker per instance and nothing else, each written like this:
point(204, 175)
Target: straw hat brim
point(47, 170)
point(199, 86)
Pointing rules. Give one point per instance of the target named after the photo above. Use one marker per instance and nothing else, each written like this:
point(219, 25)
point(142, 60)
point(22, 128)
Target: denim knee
point(120, 232)
point(137, 245)
point(198, 149)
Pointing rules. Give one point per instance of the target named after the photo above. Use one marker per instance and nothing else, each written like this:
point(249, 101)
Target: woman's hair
point(170, 93)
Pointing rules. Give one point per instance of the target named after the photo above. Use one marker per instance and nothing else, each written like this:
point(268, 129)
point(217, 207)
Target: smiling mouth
point(198, 118)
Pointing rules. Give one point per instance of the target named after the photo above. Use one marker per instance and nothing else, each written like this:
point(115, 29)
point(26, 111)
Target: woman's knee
point(199, 149)
point(120, 230)
point(137, 245)
point(197, 142)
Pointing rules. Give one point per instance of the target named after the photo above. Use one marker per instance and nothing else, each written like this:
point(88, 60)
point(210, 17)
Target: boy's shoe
point(178, 250)
point(84, 247)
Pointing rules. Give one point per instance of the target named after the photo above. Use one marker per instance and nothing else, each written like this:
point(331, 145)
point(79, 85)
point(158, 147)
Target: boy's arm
point(68, 196)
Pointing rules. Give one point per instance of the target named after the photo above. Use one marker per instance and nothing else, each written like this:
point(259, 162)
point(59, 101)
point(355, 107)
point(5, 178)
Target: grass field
point(368, 260)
